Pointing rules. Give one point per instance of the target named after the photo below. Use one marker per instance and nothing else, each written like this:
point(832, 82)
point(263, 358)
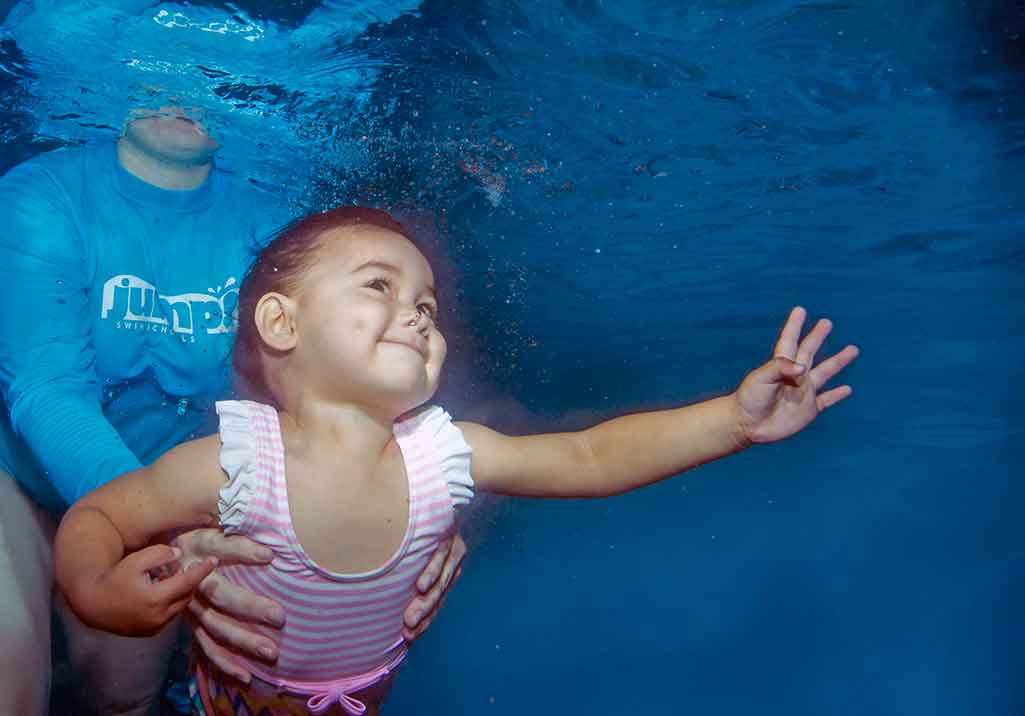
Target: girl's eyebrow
point(376, 263)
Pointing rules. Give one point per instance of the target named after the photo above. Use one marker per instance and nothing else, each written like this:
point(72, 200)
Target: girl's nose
point(412, 317)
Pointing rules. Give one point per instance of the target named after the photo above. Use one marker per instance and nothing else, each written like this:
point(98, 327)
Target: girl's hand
point(144, 591)
point(433, 584)
point(223, 615)
point(782, 397)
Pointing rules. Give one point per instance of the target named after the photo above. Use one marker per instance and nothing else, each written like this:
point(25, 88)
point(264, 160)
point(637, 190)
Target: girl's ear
point(275, 320)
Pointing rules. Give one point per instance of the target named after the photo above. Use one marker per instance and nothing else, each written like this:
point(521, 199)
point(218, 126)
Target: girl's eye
point(379, 284)
point(427, 310)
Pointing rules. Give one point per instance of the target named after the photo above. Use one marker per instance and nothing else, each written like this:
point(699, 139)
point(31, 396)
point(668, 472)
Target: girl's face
point(366, 320)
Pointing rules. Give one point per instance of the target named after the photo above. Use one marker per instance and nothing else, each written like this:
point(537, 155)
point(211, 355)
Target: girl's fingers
point(778, 370)
point(182, 585)
point(177, 608)
point(152, 558)
point(832, 397)
point(813, 341)
point(790, 334)
point(824, 371)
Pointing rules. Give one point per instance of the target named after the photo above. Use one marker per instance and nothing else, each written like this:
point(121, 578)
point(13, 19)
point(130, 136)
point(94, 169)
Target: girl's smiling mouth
point(419, 346)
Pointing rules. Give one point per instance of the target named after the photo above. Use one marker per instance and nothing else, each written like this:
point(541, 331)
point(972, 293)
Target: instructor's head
point(170, 134)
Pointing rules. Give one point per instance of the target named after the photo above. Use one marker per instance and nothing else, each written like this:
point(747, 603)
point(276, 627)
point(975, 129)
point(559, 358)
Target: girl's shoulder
point(431, 430)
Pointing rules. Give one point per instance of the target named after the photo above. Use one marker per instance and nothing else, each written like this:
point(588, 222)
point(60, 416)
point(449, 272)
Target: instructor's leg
point(117, 675)
point(26, 590)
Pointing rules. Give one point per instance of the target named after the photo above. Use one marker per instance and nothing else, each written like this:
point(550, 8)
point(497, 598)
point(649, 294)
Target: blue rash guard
point(121, 309)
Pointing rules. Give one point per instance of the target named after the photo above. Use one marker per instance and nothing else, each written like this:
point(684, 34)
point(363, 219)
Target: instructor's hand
point(223, 615)
point(433, 584)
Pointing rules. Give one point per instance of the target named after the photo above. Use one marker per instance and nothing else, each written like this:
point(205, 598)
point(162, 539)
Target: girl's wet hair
point(279, 268)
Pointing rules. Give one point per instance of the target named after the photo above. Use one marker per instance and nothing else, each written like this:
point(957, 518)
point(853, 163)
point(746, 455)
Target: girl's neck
point(318, 426)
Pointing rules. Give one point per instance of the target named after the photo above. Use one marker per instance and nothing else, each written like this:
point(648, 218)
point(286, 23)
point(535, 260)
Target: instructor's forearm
point(636, 450)
point(68, 430)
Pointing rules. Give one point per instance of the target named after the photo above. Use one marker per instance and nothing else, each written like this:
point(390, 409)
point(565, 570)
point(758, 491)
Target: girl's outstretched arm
point(616, 456)
point(114, 592)
point(773, 402)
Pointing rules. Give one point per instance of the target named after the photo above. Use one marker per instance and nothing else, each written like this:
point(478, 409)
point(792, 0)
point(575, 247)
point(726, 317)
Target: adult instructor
point(121, 265)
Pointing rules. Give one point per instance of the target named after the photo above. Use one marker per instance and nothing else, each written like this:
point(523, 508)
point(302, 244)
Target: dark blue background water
point(632, 195)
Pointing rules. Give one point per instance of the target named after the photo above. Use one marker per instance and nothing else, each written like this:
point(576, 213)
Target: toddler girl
point(351, 478)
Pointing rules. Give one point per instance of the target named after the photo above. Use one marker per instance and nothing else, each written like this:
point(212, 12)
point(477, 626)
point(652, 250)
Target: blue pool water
point(631, 195)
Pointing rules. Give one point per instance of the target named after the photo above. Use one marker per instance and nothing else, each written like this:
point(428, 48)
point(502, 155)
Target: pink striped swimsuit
point(343, 632)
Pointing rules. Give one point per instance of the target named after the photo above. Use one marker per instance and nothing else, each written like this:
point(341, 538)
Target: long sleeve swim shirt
point(119, 315)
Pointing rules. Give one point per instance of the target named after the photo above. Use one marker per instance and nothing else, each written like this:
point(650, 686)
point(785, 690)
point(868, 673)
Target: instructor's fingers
point(453, 559)
point(220, 656)
point(210, 542)
point(429, 576)
point(240, 603)
point(428, 603)
point(239, 637)
point(453, 562)
point(417, 630)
